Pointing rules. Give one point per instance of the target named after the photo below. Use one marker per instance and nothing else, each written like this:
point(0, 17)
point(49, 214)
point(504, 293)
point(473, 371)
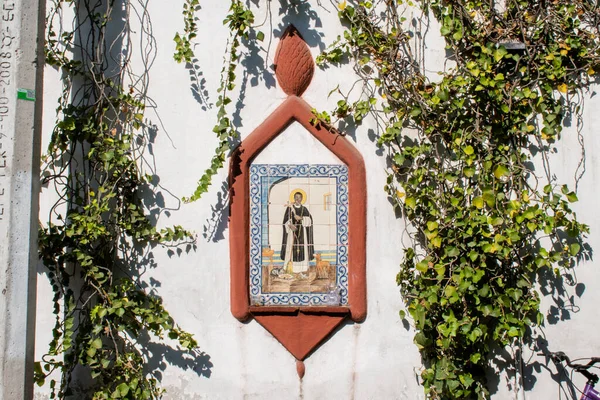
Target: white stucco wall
point(372, 360)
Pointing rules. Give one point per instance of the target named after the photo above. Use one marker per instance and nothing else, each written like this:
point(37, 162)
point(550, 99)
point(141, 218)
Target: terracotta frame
point(295, 109)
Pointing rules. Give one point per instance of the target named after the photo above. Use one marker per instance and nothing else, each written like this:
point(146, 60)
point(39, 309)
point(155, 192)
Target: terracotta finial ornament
point(294, 66)
point(300, 368)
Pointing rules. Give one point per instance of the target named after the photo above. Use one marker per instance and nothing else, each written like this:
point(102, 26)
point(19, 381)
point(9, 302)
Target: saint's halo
point(293, 193)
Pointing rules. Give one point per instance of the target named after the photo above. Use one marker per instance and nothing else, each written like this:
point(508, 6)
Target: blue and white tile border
point(263, 175)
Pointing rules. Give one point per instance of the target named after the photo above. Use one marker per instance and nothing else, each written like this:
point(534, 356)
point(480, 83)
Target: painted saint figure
point(297, 245)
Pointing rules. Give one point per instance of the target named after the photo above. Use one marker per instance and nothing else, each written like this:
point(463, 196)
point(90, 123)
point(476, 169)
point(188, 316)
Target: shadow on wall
point(506, 361)
point(558, 373)
point(153, 195)
point(159, 355)
point(304, 18)
point(564, 290)
point(156, 199)
point(215, 227)
point(198, 84)
point(138, 259)
point(257, 68)
point(197, 80)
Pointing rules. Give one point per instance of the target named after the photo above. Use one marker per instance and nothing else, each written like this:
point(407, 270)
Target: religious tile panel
point(297, 227)
point(298, 235)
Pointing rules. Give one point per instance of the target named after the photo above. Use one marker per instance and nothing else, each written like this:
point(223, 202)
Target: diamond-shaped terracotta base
point(300, 333)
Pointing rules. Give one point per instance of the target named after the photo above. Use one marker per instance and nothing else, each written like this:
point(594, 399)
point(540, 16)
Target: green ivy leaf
point(422, 266)
point(500, 171)
point(123, 389)
point(452, 251)
point(475, 358)
point(421, 340)
point(574, 249)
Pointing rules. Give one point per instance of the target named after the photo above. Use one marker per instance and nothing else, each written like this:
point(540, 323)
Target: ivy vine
point(98, 232)
point(484, 224)
point(183, 42)
point(239, 21)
